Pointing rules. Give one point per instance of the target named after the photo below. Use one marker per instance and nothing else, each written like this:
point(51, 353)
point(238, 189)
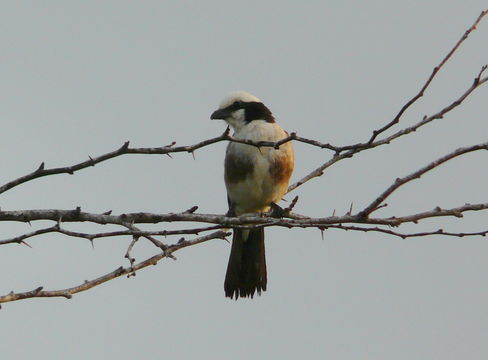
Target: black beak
point(220, 114)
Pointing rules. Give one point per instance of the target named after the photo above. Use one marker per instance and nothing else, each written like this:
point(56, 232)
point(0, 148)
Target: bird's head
point(240, 108)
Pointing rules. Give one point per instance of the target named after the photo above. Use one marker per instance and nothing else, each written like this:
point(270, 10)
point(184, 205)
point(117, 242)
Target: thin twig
point(20, 239)
point(429, 80)
point(408, 235)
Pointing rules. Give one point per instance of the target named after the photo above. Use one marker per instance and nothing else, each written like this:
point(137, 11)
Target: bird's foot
point(276, 211)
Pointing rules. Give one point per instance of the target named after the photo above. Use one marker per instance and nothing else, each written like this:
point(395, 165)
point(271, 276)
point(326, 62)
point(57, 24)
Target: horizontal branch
point(408, 235)
point(137, 233)
point(41, 171)
point(248, 220)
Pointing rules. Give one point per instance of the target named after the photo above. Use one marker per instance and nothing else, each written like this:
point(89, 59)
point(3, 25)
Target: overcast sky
point(80, 78)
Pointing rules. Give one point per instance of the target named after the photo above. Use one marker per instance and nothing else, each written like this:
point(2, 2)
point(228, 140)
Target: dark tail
point(246, 271)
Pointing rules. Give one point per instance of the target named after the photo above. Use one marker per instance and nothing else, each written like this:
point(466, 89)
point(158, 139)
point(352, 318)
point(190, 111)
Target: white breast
point(257, 190)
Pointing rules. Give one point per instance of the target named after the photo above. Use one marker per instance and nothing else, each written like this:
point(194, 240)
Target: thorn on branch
point(119, 271)
point(125, 146)
point(381, 206)
point(322, 229)
point(478, 78)
point(107, 212)
point(292, 205)
point(191, 210)
point(40, 168)
point(350, 209)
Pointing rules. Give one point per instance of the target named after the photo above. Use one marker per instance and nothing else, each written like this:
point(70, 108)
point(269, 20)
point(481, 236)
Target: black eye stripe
point(253, 110)
point(236, 105)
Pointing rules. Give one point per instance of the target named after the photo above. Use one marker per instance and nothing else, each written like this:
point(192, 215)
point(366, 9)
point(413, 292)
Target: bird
point(256, 178)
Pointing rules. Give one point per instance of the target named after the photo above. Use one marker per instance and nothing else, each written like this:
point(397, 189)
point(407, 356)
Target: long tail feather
point(246, 270)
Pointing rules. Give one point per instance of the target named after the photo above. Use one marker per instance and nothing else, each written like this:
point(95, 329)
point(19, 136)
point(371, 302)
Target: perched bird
point(255, 178)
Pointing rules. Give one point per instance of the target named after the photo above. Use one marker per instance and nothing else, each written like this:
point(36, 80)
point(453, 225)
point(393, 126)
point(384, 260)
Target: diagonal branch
point(429, 80)
point(417, 174)
point(354, 149)
point(124, 149)
point(69, 292)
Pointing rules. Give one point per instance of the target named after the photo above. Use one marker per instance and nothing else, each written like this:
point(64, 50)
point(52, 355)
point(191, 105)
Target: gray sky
point(80, 78)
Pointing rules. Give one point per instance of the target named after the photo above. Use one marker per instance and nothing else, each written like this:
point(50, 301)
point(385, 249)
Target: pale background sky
point(80, 78)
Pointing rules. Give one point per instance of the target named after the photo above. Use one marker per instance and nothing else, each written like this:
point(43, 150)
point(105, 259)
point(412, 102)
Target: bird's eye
point(238, 104)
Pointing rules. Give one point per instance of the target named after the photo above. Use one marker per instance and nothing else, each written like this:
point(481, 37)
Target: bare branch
point(245, 221)
point(408, 235)
point(152, 239)
point(354, 149)
point(138, 233)
point(41, 171)
point(86, 285)
point(362, 221)
point(417, 174)
point(128, 255)
point(20, 239)
point(429, 80)
point(124, 149)
point(300, 221)
point(436, 212)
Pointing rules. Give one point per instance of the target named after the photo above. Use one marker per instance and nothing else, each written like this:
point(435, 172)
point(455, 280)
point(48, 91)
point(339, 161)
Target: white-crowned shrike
point(255, 178)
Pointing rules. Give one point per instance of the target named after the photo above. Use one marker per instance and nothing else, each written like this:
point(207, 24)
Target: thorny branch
point(347, 152)
point(409, 235)
point(429, 80)
point(88, 284)
point(216, 224)
point(417, 174)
